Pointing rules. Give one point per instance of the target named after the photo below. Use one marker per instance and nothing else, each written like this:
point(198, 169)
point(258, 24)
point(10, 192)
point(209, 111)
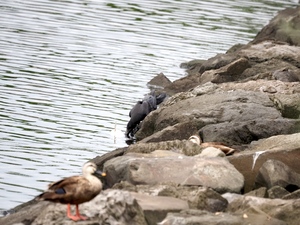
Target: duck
point(197, 140)
point(75, 190)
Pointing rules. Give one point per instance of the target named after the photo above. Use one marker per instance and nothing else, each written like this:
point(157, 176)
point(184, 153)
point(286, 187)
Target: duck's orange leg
point(69, 214)
point(78, 214)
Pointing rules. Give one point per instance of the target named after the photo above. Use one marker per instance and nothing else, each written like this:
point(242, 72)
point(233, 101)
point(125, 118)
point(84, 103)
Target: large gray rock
point(197, 197)
point(109, 207)
point(155, 208)
point(284, 148)
point(216, 173)
point(231, 117)
point(282, 211)
point(190, 217)
point(276, 173)
point(283, 27)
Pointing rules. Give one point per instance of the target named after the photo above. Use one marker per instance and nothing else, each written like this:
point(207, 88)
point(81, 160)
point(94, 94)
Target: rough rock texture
point(276, 173)
point(197, 197)
point(285, 148)
point(216, 173)
point(232, 117)
point(201, 218)
point(284, 211)
point(247, 98)
point(283, 27)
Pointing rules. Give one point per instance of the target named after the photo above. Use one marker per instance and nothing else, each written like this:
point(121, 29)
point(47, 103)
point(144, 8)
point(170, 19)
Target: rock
point(276, 210)
point(284, 148)
point(270, 50)
point(276, 173)
point(156, 208)
point(25, 214)
point(283, 27)
point(230, 72)
point(197, 197)
point(116, 207)
point(109, 207)
point(286, 75)
point(294, 195)
point(182, 147)
point(216, 173)
point(277, 192)
point(189, 217)
point(159, 80)
point(264, 86)
point(260, 192)
point(289, 105)
point(231, 117)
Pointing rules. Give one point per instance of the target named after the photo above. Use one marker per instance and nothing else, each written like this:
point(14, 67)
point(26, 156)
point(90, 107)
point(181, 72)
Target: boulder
point(277, 210)
point(109, 207)
point(189, 217)
point(283, 27)
point(159, 81)
point(216, 173)
point(277, 192)
point(155, 208)
point(230, 72)
point(231, 117)
point(276, 173)
point(197, 197)
point(284, 148)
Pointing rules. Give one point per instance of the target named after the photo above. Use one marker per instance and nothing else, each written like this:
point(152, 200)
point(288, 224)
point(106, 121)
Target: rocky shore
point(248, 99)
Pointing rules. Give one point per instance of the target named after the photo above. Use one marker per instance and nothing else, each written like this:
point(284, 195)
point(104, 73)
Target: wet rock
point(216, 173)
point(276, 173)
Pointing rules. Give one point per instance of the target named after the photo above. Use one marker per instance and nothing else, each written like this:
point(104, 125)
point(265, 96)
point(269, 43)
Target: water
point(71, 70)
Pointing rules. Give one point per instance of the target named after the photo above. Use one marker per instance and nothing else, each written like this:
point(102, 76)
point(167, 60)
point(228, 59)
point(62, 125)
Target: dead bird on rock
point(141, 110)
point(75, 190)
point(197, 140)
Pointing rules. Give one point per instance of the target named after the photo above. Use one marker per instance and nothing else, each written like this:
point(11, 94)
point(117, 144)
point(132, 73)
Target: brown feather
point(73, 190)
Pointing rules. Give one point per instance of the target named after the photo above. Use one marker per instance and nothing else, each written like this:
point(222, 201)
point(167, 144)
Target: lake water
point(72, 69)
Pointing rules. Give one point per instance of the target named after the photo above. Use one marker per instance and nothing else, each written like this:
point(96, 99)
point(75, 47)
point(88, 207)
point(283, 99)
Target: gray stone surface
point(216, 173)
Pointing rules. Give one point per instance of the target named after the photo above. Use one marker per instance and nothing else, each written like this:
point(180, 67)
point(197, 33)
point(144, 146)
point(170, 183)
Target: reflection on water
point(71, 70)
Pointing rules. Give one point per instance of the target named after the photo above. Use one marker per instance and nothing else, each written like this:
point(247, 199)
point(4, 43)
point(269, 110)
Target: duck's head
point(90, 168)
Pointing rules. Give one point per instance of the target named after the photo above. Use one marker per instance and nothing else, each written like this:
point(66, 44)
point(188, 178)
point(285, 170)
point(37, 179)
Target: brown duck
point(196, 139)
point(75, 190)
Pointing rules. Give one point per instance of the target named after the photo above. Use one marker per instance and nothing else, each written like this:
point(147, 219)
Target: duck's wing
point(64, 191)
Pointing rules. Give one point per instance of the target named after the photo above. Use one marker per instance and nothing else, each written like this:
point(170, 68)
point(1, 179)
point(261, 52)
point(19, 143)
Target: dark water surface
point(71, 70)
